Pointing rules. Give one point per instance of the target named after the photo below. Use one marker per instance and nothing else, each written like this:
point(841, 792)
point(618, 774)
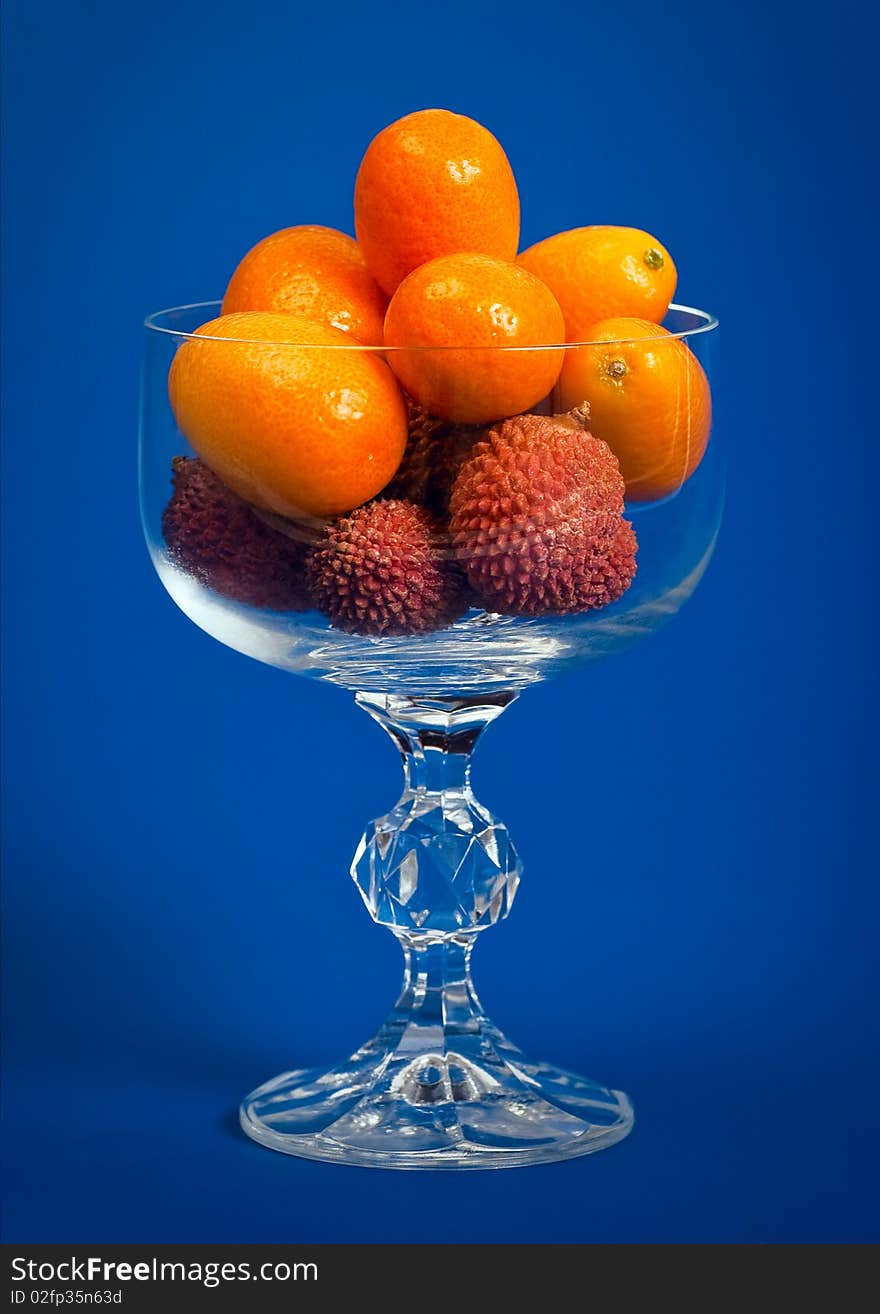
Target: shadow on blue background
point(697, 921)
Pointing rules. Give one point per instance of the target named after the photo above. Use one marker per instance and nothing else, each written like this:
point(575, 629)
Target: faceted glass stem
point(439, 862)
point(437, 985)
point(439, 1086)
point(435, 737)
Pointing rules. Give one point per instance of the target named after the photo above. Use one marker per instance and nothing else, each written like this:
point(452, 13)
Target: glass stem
point(438, 1084)
point(435, 736)
point(438, 993)
point(438, 864)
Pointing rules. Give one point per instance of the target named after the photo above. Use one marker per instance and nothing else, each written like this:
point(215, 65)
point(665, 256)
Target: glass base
point(439, 1086)
point(467, 1101)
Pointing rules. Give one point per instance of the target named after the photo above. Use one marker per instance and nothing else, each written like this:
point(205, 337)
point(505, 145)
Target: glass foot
point(472, 1101)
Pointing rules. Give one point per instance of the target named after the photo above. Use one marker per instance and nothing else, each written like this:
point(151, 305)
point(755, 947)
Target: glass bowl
point(533, 590)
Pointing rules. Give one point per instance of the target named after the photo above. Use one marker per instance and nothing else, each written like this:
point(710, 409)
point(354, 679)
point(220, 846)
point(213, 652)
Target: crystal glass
point(439, 1085)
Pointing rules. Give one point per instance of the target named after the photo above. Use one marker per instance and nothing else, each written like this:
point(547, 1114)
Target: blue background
point(698, 920)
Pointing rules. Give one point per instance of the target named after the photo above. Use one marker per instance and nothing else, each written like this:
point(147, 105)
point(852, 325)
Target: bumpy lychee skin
point(537, 519)
point(434, 453)
point(387, 568)
point(211, 533)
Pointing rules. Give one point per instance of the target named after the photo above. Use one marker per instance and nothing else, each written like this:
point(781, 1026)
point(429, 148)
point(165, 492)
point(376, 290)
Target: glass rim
point(708, 322)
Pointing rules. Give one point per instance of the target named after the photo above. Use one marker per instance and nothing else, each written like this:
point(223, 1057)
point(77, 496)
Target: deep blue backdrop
point(698, 919)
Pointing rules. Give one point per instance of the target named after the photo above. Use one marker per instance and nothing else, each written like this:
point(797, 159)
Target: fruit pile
point(367, 441)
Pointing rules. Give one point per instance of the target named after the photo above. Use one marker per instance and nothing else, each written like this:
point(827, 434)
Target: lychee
point(211, 533)
point(537, 519)
point(387, 568)
point(434, 452)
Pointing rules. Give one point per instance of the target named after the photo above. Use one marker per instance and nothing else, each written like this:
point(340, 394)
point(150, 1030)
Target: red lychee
point(537, 519)
point(211, 533)
point(434, 452)
point(387, 568)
